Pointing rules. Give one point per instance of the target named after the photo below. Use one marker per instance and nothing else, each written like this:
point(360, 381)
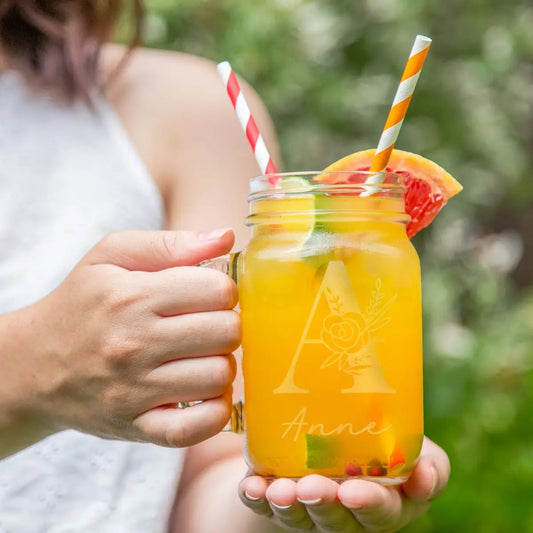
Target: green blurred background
point(327, 71)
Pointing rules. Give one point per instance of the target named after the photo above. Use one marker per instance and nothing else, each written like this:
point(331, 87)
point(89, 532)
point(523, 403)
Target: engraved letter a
point(337, 282)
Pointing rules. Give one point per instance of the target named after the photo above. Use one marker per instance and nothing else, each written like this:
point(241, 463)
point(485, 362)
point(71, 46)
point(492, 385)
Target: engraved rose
point(345, 333)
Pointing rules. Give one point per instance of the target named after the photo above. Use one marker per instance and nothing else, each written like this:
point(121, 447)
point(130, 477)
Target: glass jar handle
point(225, 263)
point(228, 265)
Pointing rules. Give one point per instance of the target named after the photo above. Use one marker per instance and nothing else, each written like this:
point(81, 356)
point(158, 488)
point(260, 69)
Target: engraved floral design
point(345, 333)
point(348, 335)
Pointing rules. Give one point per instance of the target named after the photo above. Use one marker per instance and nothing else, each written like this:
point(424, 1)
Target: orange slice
point(427, 185)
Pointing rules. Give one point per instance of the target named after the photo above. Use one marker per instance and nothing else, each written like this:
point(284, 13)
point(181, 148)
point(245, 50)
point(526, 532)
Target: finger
point(151, 251)
point(189, 380)
point(195, 335)
point(319, 495)
point(430, 475)
point(176, 428)
point(376, 507)
point(180, 290)
point(252, 492)
point(286, 509)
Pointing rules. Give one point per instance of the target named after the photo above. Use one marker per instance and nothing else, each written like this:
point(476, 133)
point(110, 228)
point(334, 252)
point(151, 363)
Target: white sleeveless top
point(68, 176)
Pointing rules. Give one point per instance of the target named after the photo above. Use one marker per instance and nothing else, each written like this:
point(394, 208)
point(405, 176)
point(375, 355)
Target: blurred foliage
point(327, 71)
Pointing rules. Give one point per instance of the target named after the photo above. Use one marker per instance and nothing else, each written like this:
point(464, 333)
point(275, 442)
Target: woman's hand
point(315, 503)
point(134, 329)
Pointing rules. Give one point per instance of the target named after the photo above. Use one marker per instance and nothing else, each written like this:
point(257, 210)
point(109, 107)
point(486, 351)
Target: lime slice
point(298, 203)
point(313, 238)
point(295, 183)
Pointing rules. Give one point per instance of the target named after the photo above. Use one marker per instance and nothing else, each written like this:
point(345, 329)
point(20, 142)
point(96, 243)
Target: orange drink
point(329, 292)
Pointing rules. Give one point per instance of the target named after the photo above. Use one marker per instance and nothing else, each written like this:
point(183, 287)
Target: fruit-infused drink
point(329, 290)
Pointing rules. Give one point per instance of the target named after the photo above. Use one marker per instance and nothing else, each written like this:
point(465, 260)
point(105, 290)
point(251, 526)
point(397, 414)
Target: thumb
point(151, 251)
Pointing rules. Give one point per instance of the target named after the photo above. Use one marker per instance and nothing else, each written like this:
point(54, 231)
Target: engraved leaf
point(377, 297)
point(333, 301)
point(378, 324)
point(356, 369)
point(377, 316)
point(331, 360)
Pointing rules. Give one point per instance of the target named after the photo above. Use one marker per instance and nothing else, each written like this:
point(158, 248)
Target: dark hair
point(56, 44)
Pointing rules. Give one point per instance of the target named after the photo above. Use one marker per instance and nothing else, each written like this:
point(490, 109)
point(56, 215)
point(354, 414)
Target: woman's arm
point(176, 111)
point(207, 499)
point(20, 423)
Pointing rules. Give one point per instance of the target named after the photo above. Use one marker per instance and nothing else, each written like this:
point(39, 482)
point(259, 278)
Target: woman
point(106, 323)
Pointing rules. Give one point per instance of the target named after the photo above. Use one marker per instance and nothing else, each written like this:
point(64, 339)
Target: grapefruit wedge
point(427, 185)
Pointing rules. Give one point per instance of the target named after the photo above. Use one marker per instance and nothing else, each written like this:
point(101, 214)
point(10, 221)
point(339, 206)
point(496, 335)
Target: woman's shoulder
point(160, 70)
point(170, 102)
point(159, 85)
point(171, 84)
point(158, 96)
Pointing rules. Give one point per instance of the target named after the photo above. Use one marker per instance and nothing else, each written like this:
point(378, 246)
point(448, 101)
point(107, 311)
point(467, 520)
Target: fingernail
point(318, 501)
point(213, 235)
point(356, 507)
point(251, 498)
point(435, 482)
point(280, 507)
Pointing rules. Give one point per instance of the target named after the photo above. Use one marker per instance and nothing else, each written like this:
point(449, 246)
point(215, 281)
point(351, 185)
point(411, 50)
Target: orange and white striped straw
point(246, 120)
point(399, 107)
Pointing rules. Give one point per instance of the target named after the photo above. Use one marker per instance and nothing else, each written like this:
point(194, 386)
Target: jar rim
point(362, 182)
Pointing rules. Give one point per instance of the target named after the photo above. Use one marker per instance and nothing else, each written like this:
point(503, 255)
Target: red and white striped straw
point(399, 107)
point(246, 120)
